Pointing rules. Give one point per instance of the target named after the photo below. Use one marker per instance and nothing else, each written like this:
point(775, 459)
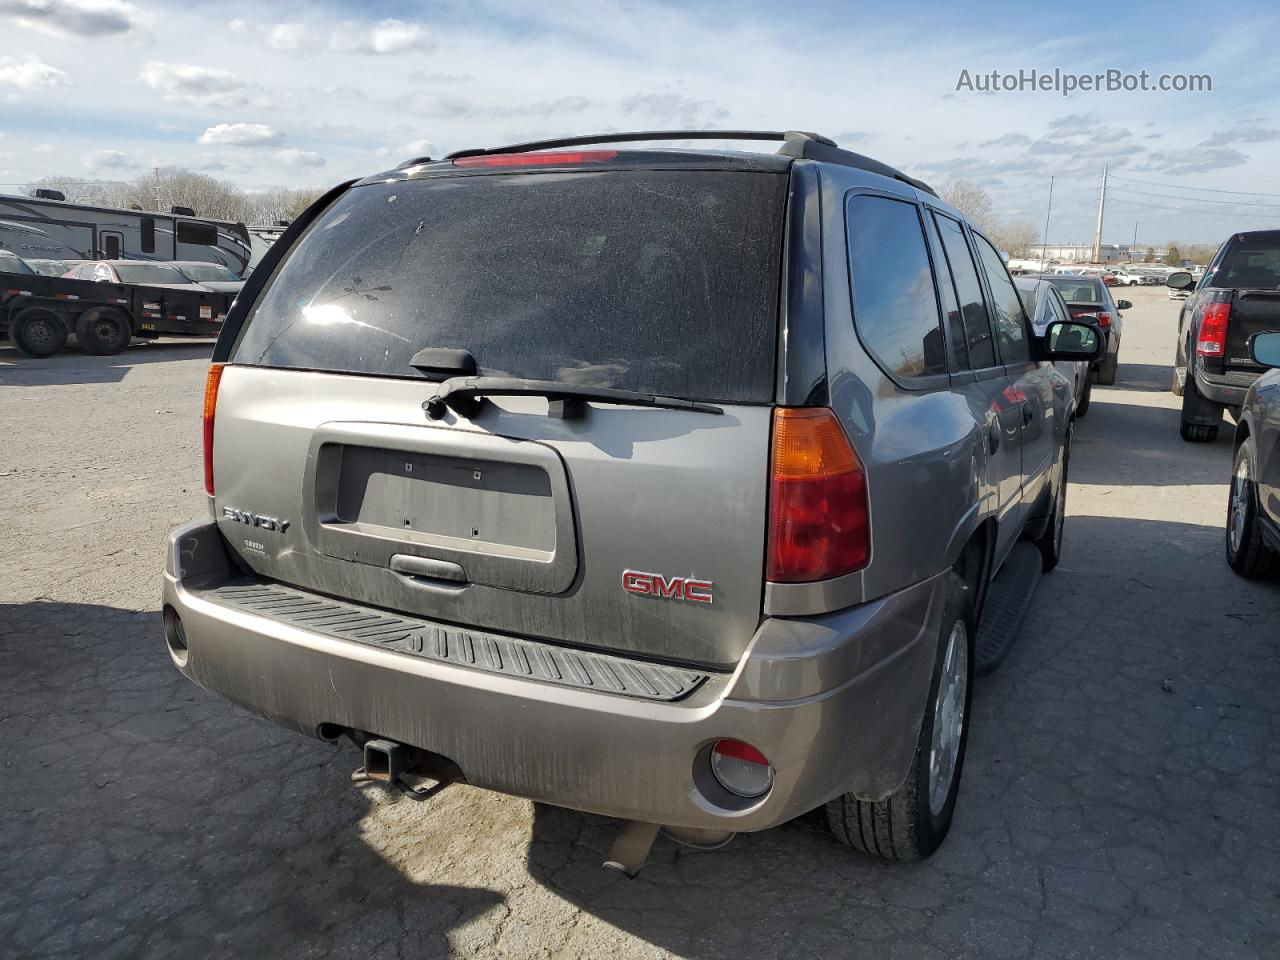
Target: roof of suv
point(795, 145)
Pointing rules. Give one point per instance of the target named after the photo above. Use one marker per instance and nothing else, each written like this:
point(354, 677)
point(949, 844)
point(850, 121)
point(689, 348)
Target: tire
point(1082, 407)
point(1247, 551)
point(37, 332)
point(103, 331)
point(1191, 399)
point(1107, 369)
point(912, 822)
point(1049, 543)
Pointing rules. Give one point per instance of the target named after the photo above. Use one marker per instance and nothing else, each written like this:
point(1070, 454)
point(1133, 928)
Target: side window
point(895, 306)
point(202, 233)
point(1011, 326)
point(148, 234)
point(982, 351)
point(950, 302)
point(113, 247)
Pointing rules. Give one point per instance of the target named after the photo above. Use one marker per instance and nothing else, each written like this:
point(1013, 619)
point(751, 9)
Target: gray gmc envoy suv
point(665, 484)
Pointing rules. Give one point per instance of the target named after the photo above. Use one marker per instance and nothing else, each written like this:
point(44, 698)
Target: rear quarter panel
point(923, 452)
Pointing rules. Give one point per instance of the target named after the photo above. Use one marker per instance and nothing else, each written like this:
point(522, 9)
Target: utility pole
point(158, 190)
point(1134, 245)
point(1044, 250)
point(1102, 203)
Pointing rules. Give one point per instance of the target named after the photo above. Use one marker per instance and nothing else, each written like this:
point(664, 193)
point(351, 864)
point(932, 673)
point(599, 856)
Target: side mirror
point(1265, 348)
point(1180, 280)
point(1073, 340)
point(1123, 305)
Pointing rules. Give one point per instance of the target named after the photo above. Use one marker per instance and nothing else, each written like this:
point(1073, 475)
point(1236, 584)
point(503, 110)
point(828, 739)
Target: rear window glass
point(205, 234)
point(1250, 262)
point(895, 307)
point(662, 281)
point(1075, 290)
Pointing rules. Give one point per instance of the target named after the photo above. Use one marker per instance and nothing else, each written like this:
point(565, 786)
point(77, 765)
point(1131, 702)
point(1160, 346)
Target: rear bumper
point(834, 702)
point(1226, 388)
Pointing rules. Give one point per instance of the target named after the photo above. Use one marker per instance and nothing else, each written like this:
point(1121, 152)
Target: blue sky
point(310, 93)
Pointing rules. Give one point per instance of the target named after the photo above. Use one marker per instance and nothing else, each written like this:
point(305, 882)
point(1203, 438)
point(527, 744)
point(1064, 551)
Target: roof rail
point(795, 143)
point(786, 136)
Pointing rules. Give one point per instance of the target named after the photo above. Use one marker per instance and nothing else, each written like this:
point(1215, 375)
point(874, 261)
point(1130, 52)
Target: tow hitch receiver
point(386, 762)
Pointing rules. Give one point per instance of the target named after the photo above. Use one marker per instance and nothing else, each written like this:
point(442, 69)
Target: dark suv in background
point(1238, 297)
point(662, 484)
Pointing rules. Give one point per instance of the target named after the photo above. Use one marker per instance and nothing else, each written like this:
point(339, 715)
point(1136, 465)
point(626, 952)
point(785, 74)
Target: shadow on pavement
point(143, 818)
point(1121, 768)
point(72, 366)
point(1126, 444)
point(1146, 377)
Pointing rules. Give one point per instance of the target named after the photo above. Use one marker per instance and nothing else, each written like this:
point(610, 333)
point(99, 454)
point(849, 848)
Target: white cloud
point(80, 18)
point(299, 158)
point(290, 36)
point(108, 160)
point(407, 151)
point(386, 36)
point(241, 135)
point(202, 86)
point(31, 74)
point(238, 26)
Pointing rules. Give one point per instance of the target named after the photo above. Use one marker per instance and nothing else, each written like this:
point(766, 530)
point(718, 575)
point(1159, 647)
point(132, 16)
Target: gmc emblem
point(676, 588)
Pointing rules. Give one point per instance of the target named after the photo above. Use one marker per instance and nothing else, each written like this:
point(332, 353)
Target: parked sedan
point(1253, 509)
point(12, 263)
point(49, 267)
point(1089, 297)
point(212, 275)
point(1044, 304)
point(135, 271)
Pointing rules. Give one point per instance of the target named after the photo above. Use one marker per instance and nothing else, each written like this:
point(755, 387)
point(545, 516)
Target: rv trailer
point(47, 227)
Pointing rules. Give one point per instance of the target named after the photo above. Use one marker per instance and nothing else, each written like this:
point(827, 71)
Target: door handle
point(993, 438)
point(438, 576)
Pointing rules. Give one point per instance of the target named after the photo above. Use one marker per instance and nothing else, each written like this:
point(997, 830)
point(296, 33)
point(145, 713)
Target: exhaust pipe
point(630, 849)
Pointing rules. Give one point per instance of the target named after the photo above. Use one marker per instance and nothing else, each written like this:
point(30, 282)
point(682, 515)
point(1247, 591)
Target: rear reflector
point(1213, 329)
point(819, 519)
point(210, 407)
point(741, 768)
point(556, 158)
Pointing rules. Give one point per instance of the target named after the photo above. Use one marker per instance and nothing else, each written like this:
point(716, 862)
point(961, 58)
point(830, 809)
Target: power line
point(1179, 186)
point(1171, 196)
point(1184, 210)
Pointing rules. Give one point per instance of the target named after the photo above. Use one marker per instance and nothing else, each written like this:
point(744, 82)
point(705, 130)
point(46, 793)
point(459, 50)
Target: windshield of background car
point(148, 273)
point(12, 264)
point(208, 271)
point(1075, 290)
point(660, 281)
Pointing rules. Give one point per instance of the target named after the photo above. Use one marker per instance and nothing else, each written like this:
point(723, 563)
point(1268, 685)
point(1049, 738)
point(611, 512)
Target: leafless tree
point(972, 200)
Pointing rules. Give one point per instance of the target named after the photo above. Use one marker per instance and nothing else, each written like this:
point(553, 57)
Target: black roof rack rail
point(632, 136)
point(795, 143)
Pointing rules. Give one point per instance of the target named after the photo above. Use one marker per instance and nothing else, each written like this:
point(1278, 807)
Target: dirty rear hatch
point(631, 529)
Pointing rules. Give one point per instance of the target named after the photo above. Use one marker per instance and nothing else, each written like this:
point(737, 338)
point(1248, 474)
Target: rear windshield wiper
point(464, 396)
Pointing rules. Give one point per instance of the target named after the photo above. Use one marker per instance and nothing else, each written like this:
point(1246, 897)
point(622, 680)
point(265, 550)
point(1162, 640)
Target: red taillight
point(819, 520)
point(1104, 320)
point(557, 158)
point(1213, 329)
point(210, 407)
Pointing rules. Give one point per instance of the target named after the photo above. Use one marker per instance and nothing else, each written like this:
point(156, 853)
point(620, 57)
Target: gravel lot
point(1120, 796)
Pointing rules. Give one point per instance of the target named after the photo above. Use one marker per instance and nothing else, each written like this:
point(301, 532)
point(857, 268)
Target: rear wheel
point(912, 822)
point(1049, 543)
point(1247, 551)
point(37, 332)
point(1107, 368)
point(1082, 407)
point(103, 331)
point(1194, 405)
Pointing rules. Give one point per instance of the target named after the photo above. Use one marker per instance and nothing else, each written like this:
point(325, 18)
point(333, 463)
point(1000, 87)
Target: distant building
point(1078, 252)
